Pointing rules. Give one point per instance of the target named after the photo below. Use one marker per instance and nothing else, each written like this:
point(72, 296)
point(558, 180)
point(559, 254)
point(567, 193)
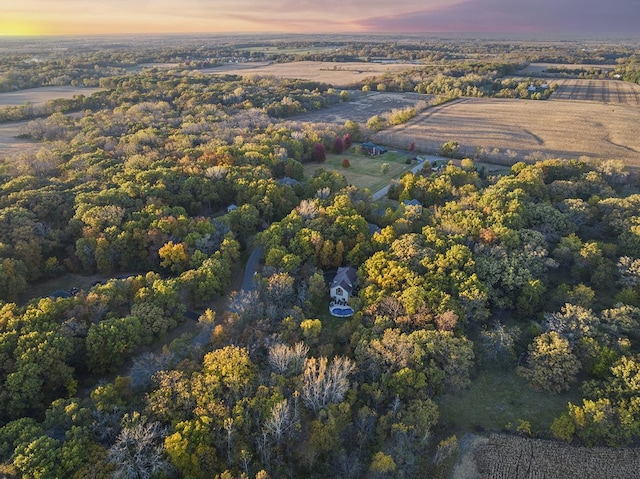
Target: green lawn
point(364, 171)
point(493, 168)
point(66, 282)
point(497, 398)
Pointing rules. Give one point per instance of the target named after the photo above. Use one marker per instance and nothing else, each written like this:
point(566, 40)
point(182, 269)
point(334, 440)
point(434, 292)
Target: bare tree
point(288, 360)
point(281, 421)
point(137, 452)
point(245, 457)
point(347, 466)
point(246, 304)
point(325, 384)
point(105, 425)
point(308, 209)
point(499, 341)
point(146, 365)
point(228, 427)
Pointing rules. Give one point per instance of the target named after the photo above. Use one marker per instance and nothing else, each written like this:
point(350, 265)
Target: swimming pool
point(341, 312)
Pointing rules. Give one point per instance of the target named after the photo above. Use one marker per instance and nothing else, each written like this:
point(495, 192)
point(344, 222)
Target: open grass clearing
point(42, 289)
point(362, 106)
point(343, 74)
point(364, 171)
point(330, 333)
point(497, 398)
point(524, 129)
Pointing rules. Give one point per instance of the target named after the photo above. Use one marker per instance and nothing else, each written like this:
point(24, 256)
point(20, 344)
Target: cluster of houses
point(342, 285)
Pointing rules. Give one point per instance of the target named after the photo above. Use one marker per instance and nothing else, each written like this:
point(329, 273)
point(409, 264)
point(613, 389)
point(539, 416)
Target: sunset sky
point(582, 17)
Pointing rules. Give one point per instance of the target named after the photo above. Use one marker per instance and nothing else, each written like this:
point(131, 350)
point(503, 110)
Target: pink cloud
point(552, 16)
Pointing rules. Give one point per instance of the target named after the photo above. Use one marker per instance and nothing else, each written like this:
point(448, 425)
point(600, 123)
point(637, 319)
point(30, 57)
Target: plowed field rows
point(511, 130)
point(508, 457)
point(605, 91)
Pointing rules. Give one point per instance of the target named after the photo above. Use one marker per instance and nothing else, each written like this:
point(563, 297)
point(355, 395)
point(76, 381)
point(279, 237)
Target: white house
point(342, 285)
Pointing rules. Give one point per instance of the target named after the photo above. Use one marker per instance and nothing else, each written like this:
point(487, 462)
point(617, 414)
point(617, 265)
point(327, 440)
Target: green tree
point(13, 279)
point(39, 459)
point(552, 366)
point(110, 342)
point(449, 149)
point(382, 465)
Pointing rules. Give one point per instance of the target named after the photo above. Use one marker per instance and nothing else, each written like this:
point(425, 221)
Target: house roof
point(345, 278)
point(288, 181)
point(412, 203)
point(371, 146)
point(373, 228)
point(60, 293)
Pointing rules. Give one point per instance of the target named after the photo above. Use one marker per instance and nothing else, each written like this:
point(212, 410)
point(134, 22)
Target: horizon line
point(485, 34)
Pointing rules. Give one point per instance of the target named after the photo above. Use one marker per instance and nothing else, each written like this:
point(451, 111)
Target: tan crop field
point(337, 74)
point(542, 68)
point(511, 130)
point(10, 144)
point(39, 96)
point(605, 91)
point(510, 457)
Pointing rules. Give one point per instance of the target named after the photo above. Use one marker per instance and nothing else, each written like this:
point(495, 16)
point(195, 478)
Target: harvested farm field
point(605, 91)
point(10, 144)
point(339, 74)
point(509, 457)
point(542, 69)
point(511, 130)
point(40, 96)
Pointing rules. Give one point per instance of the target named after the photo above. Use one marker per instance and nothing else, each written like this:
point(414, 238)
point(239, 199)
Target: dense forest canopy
point(162, 184)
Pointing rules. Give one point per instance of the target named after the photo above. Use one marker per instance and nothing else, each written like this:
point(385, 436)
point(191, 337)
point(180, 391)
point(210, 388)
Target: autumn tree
point(552, 366)
point(354, 131)
point(319, 153)
point(449, 149)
